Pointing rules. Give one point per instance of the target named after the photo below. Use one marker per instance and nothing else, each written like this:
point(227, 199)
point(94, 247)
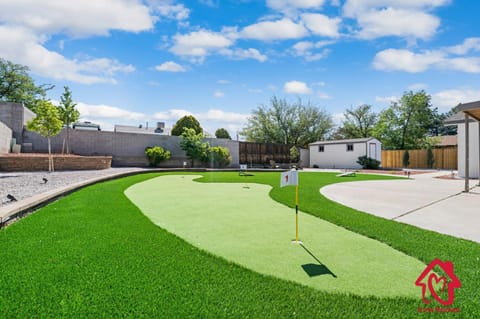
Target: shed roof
point(348, 141)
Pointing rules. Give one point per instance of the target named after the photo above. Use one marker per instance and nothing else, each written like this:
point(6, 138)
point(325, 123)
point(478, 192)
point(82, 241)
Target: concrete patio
point(423, 200)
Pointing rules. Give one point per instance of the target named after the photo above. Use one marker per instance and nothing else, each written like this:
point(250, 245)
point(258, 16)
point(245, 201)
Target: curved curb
point(23, 207)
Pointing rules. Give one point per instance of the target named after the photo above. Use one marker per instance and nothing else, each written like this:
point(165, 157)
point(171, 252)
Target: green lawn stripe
point(246, 226)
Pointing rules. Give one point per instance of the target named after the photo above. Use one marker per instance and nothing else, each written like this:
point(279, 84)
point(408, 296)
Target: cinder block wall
point(127, 149)
point(12, 115)
point(5, 138)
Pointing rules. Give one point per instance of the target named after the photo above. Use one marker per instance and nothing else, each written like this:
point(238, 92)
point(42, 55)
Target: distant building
point(86, 126)
point(344, 153)
point(140, 129)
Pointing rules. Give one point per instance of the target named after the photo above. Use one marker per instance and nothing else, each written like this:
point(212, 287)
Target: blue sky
point(133, 61)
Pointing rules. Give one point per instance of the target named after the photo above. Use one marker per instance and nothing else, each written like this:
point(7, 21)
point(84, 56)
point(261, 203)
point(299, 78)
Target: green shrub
point(368, 162)
point(406, 159)
point(294, 154)
point(430, 158)
point(219, 155)
point(156, 155)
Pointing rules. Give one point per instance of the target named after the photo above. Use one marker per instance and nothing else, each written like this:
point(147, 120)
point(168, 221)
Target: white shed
point(344, 153)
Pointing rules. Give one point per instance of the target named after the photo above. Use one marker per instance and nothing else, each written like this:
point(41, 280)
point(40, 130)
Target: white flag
point(289, 178)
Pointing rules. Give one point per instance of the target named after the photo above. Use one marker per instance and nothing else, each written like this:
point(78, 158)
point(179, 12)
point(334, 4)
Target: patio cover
point(472, 110)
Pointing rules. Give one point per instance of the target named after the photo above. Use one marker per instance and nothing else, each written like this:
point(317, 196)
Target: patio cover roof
point(472, 109)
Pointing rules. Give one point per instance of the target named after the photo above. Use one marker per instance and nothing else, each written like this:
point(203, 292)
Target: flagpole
point(296, 214)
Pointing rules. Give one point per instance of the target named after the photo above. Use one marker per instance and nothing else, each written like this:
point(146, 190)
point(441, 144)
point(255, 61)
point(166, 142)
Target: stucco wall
point(127, 149)
point(337, 156)
point(474, 150)
point(5, 138)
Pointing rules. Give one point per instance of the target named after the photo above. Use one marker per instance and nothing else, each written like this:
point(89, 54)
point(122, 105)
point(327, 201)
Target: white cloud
point(223, 82)
point(26, 25)
point(173, 11)
point(352, 8)
point(397, 22)
point(386, 99)
point(282, 5)
point(84, 18)
point(171, 115)
point(170, 66)
point(447, 99)
point(406, 60)
point(242, 54)
point(101, 111)
point(274, 30)
point(224, 116)
point(402, 18)
point(469, 44)
point(22, 46)
point(218, 94)
point(307, 49)
point(198, 44)
point(297, 87)
point(322, 25)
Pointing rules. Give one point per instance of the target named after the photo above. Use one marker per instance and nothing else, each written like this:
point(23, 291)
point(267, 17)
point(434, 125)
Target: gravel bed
point(26, 184)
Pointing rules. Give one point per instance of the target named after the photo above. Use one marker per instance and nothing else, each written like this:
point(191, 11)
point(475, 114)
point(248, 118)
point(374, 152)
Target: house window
point(321, 148)
point(349, 147)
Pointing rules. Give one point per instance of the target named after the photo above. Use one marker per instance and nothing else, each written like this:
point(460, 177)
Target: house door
point(373, 150)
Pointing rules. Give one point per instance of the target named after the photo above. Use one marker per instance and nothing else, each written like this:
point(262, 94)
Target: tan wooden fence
point(445, 158)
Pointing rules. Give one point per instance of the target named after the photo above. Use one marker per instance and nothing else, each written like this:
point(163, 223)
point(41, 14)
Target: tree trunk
point(68, 139)
point(50, 158)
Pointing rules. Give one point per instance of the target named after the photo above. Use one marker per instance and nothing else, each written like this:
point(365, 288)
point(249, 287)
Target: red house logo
point(428, 279)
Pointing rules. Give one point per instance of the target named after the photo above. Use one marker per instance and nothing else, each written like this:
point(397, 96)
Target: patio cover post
point(467, 151)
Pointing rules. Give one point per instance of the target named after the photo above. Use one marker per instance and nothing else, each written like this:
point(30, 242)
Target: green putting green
point(241, 223)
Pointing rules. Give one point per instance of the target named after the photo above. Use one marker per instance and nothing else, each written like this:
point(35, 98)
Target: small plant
point(294, 154)
point(156, 155)
point(368, 162)
point(430, 158)
point(406, 159)
point(315, 166)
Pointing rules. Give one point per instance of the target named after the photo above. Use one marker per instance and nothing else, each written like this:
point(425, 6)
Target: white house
point(344, 153)
point(467, 117)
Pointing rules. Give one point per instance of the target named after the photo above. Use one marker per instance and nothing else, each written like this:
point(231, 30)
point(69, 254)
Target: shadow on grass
point(318, 269)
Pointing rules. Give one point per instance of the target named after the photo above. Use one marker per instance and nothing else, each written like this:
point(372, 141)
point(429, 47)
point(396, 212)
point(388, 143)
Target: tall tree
point(281, 122)
point(17, 86)
point(191, 142)
point(359, 122)
point(188, 121)
point(46, 123)
point(222, 133)
point(68, 113)
point(440, 129)
point(406, 123)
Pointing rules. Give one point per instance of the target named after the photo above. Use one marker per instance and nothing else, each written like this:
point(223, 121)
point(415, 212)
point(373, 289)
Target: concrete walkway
point(423, 201)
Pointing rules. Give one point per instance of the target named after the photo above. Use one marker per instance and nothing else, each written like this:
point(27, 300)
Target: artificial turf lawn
point(244, 225)
point(94, 254)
